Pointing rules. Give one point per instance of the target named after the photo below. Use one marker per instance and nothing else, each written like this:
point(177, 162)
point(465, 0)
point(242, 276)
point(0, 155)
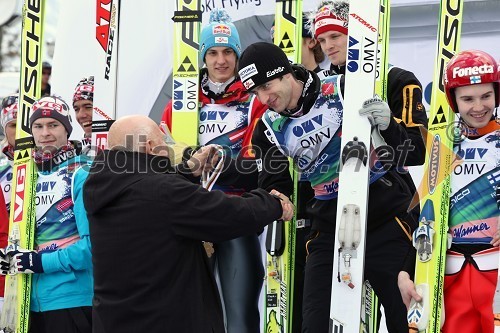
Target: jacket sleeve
point(273, 166)
point(77, 256)
point(410, 261)
point(409, 122)
point(215, 216)
point(239, 172)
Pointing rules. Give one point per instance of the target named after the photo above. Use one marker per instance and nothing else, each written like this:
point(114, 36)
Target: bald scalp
point(131, 133)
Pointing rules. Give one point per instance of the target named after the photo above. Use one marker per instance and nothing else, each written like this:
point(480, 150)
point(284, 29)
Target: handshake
point(286, 205)
point(14, 259)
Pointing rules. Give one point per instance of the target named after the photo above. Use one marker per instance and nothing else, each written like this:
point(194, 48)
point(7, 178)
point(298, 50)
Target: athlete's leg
point(483, 293)
point(468, 299)
point(318, 283)
point(386, 250)
point(72, 320)
point(459, 309)
point(241, 274)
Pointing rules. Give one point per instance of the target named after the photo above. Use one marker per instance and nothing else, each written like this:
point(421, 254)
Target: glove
point(4, 263)
point(377, 111)
point(25, 261)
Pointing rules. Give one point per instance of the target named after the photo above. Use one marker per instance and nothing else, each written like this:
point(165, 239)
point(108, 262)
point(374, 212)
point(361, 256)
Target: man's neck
point(218, 87)
point(308, 61)
point(338, 69)
point(297, 88)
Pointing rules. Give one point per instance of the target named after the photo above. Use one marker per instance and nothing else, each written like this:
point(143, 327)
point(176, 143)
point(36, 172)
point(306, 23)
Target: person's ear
point(149, 147)
point(312, 43)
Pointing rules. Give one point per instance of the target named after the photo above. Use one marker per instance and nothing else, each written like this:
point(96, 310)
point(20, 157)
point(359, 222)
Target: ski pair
point(431, 236)
point(280, 243)
point(16, 309)
point(354, 305)
point(22, 220)
point(280, 237)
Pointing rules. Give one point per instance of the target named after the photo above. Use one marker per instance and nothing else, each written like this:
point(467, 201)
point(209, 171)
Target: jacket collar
point(120, 161)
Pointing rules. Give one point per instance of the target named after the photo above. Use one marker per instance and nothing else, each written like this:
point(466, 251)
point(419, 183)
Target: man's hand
point(407, 289)
point(377, 111)
point(204, 159)
point(25, 261)
point(286, 205)
point(4, 263)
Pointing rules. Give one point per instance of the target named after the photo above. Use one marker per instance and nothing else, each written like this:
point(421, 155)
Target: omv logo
point(353, 55)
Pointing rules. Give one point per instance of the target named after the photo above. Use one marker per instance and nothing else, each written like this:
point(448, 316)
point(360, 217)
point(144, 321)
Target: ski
point(280, 238)
point(185, 105)
point(496, 298)
point(383, 49)
point(22, 220)
point(430, 238)
point(105, 96)
point(346, 311)
point(370, 302)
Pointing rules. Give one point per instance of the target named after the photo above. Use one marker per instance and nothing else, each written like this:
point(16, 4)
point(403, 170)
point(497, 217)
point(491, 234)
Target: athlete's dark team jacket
point(147, 224)
point(228, 119)
point(276, 137)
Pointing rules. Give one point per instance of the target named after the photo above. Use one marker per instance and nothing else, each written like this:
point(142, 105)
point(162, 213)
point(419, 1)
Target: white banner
point(76, 54)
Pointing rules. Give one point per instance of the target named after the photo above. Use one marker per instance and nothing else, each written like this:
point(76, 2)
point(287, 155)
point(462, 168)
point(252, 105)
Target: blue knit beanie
point(219, 32)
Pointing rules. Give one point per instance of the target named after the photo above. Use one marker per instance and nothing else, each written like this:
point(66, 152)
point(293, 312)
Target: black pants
point(72, 320)
point(241, 275)
point(386, 251)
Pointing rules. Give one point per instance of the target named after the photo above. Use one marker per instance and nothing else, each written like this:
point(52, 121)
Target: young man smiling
point(83, 103)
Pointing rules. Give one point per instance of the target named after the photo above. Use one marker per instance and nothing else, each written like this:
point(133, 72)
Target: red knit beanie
point(327, 18)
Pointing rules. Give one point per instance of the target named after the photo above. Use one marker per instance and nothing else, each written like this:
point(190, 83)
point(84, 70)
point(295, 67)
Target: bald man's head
point(136, 133)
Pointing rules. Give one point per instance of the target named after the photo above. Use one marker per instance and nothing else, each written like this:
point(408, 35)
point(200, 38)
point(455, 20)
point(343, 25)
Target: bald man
point(141, 134)
point(147, 224)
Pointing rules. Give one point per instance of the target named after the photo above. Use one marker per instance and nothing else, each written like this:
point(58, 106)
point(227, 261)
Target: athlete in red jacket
point(227, 117)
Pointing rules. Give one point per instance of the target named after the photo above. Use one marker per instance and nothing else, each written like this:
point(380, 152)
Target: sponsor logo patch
point(433, 177)
point(44, 105)
point(470, 71)
point(475, 79)
point(247, 72)
point(85, 88)
point(259, 164)
point(221, 29)
point(221, 40)
point(249, 84)
point(328, 89)
point(323, 12)
point(275, 71)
